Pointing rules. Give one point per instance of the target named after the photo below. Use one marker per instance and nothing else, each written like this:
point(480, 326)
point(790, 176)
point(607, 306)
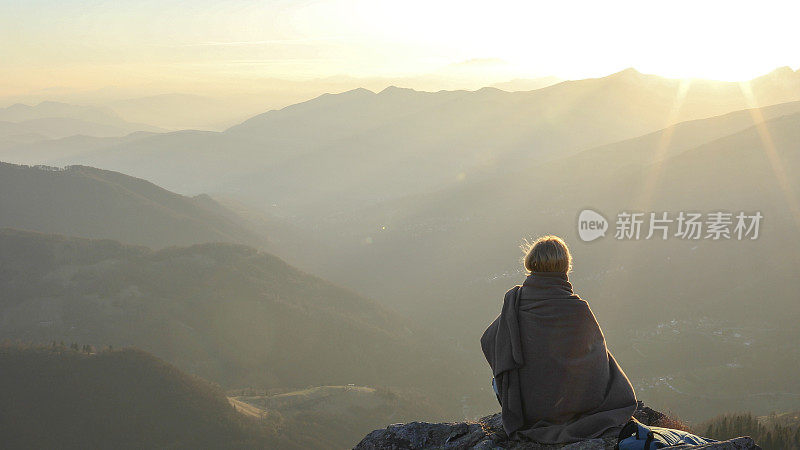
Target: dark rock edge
point(488, 433)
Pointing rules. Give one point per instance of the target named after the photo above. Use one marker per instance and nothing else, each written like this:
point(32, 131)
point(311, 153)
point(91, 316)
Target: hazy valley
point(416, 203)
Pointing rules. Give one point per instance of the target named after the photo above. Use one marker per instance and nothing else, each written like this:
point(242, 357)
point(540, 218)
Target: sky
point(52, 44)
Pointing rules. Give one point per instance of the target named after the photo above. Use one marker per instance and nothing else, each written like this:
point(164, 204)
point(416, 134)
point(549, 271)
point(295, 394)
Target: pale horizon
point(237, 47)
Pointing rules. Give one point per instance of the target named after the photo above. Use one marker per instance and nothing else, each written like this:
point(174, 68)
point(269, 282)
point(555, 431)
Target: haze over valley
point(284, 226)
point(419, 201)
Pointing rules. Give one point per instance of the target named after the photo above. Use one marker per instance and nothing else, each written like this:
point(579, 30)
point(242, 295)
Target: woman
point(554, 377)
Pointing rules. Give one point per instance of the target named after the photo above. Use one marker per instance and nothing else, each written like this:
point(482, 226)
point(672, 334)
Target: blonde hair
point(547, 254)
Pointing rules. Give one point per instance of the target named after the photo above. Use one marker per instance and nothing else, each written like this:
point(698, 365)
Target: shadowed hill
point(55, 397)
point(88, 202)
point(223, 311)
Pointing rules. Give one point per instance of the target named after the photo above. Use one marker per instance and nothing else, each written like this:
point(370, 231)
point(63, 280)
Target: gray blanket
point(557, 382)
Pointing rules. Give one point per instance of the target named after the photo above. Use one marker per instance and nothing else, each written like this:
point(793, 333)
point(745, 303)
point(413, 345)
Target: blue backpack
point(637, 436)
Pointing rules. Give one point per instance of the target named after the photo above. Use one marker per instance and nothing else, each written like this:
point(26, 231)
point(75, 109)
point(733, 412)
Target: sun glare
point(364, 38)
point(576, 39)
point(768, 146)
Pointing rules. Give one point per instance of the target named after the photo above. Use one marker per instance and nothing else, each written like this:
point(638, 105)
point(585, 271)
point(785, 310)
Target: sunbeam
point(770, 151)
point(651, 180)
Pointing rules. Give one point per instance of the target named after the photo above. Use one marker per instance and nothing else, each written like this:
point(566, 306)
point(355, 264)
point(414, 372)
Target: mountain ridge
point(56, 201)
point(105, 121)
point(427, 141)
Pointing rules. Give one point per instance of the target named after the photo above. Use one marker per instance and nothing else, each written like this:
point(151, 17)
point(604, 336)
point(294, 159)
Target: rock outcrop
point(487, 433)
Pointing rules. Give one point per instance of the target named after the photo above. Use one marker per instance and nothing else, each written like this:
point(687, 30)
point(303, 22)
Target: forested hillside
point(57, 397)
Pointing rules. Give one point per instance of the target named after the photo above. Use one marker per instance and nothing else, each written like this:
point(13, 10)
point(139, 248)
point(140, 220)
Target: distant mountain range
point(186, 111)
point(21, 123)
point(60, 127)
point(400, 142)
point(36, 148)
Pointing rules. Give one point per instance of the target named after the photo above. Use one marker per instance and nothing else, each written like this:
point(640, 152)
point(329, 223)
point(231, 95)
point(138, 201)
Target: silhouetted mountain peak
point(18, 106)
point(489, 90)
point(394, 90)
point(630, 72)
point(784, 72)
point(357, 92)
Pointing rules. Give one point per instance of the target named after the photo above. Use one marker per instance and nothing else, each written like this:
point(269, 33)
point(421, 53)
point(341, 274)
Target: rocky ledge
point(487, 433)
